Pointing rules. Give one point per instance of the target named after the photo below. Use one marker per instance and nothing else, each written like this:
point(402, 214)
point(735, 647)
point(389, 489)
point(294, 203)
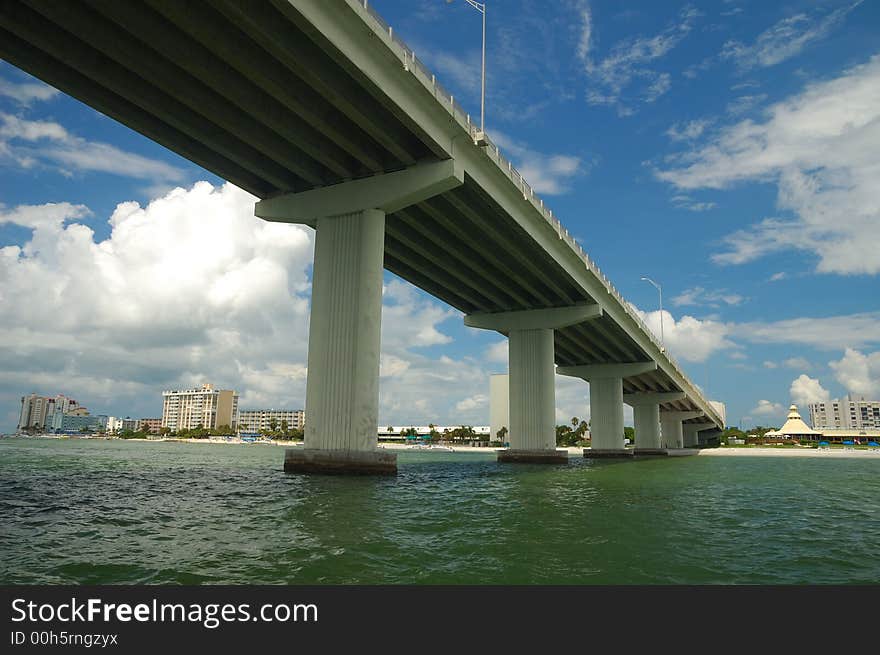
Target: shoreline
point(573, 451)
point(763, 451)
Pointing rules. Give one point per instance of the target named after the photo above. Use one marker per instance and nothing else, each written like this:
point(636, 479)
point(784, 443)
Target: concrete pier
point(606, 403)
point(342, 388)
point(532, 382)
point(672, 432)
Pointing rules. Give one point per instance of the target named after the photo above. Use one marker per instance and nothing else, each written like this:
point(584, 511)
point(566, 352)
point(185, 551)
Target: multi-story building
point(151, 425)
point(851, 412)
point(78, 423)
point(260, 420)
point(116, 424)
point(206, 407)
point(39, 412)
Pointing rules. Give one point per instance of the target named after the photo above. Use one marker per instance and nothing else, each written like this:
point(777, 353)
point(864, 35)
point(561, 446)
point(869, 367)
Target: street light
point(481, 7)
point(660, 291)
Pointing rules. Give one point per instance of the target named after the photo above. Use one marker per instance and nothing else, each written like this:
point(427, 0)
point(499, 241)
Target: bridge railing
point(447, 100)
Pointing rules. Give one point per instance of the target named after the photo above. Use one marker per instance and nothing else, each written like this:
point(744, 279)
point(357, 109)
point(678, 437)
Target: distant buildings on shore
point(182, 409)
point(795, 428)
point(851, 412)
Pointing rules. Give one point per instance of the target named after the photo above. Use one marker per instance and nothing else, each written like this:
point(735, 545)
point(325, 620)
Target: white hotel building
point(260, 420)
point(206, 407)
point(853, 412)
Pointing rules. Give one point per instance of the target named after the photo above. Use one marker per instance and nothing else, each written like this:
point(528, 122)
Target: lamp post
point(660, 291)
point(481, 7)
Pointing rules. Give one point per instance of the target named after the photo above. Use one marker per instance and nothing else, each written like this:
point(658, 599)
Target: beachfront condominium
point(38, 412)
point(856, 412)
point(260, 420)
point(205, 407)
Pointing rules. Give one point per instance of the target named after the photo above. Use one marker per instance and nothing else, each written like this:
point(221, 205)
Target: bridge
point(320, 110)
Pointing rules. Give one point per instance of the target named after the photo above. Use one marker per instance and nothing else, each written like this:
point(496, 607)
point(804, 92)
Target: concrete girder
point(389, 193)
point(681, 416)
point(597, 371)
point(653, 398)
point(534, 319)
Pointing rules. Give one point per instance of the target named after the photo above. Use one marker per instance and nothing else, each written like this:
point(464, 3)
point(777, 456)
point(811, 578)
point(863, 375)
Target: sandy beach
point(759, 451)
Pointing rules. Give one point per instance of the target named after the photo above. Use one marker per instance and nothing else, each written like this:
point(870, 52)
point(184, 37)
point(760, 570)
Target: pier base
point(650, 452)
point(339, 462)
point(607, 453)
point(533, 456)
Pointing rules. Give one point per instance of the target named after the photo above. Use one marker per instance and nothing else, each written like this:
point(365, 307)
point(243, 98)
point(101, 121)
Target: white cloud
point(194, 288)
point(776, 277)
point(798, 363)
point(190, 288)
point(687, 131)
point(25, 93)
point(682, 201)
point(769, 364)
point(825, 333)
point(688, 338)
point(497, 352)
point(472, 402)
point(742, 104)
point(784, 40)
point(805, 390)
point(859, 373)
point(549, 174)
point(28, 143)
point(766, 408)
point(701, 296)
point(631, 63)
point(819, 147)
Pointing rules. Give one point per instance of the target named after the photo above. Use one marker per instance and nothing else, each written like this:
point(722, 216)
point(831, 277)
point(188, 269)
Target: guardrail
point(421, 72)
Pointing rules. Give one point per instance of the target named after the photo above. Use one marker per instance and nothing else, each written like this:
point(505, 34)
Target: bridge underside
point(254, 93)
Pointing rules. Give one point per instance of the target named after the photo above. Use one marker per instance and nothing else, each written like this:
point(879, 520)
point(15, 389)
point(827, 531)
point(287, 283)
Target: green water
point(100, 512)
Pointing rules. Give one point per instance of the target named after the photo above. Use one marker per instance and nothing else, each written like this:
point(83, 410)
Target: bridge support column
point(606, 403)
point(692, 431)
point(606, 418)
point(532, 402)
point(646, 415)
point(647, 426)
point(532, 385)
point(342, 389)
point(689, 435)
point(672, 429)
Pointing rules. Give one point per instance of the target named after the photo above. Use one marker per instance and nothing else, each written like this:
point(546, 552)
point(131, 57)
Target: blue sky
point(729, 150)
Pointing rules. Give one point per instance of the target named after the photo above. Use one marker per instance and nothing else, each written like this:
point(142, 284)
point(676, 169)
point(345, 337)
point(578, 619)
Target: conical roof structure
point(794, 425)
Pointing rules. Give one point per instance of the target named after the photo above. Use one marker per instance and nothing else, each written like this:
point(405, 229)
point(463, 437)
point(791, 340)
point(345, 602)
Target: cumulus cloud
point(193, 288)
point(784, 40)
point(819, 147)
point(766, 408)
point(858, 373)
point(627, 75)
point(550, 174)
point(688, 338)
point(805, 390)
